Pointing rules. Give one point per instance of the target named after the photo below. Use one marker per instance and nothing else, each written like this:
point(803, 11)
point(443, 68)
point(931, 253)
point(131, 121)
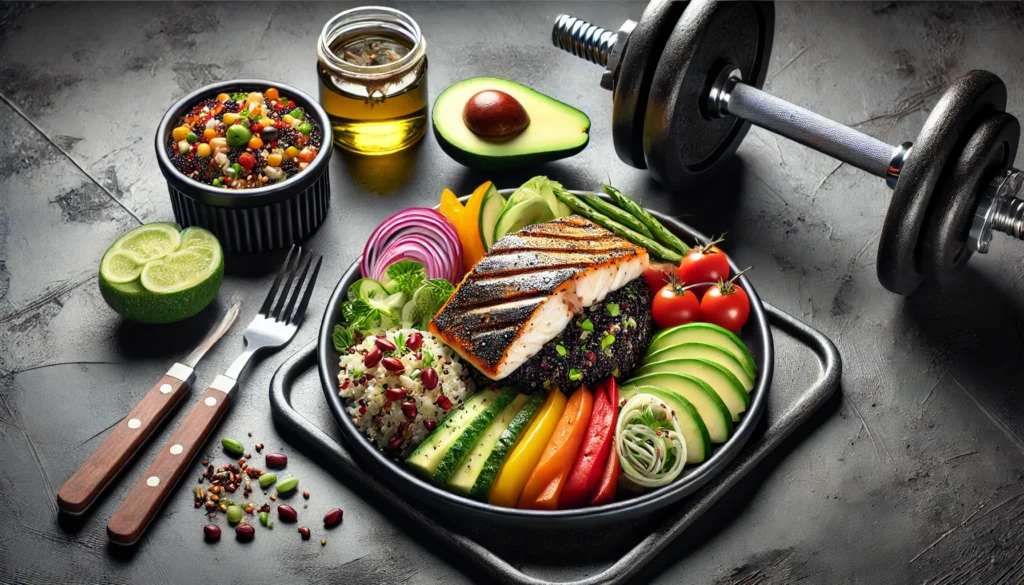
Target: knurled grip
point(810, 129)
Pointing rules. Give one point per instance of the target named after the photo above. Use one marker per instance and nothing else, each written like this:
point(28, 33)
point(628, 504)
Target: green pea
point(239, 171)
point(267, 479)
point(305, 128)
point(234, 515)
point(298, 114)
point(238, 135)
point(233, 447)
point(265, 520)
point(217, 182)
point(191, 137)
point(286, 486)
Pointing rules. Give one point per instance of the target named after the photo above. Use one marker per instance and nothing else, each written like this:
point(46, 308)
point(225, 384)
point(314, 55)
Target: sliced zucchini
point(366, 288)
point(490, 209)
point(449, 462)
point(432, 450)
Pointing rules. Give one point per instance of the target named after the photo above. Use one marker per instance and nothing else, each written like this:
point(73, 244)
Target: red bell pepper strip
point(604, 493)
point(593, 454)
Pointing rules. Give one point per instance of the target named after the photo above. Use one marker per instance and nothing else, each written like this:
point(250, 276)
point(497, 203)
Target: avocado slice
point(556, 130)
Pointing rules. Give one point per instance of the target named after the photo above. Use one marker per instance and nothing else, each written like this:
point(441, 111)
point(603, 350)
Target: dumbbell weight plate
point(682, 144)
point(991, 149)
point(633, 81)
point(978, 93)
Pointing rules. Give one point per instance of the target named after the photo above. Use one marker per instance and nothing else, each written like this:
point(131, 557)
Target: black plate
point(757, 336)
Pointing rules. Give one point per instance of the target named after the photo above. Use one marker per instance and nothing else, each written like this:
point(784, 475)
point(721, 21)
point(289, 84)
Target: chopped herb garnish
point(342, 338)
point(428, 357)
point(575, 375)
point(630, 323)
point(613, 309)
point(561, 350)
point(587, 325)
point(400, 343)
point(607, 340)
point(585, 335)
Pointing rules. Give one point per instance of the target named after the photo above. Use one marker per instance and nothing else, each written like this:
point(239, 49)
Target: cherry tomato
point(657, 275)
point(675, 306)
point(247, 160)
point(704, 264)
point(726, 305)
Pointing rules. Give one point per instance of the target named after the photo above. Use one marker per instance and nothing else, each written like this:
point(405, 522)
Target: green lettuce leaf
point(426, 302)
point(404, 276)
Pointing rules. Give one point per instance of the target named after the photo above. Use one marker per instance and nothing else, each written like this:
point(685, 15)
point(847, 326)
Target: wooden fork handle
point(80, 490)
point(149, 494)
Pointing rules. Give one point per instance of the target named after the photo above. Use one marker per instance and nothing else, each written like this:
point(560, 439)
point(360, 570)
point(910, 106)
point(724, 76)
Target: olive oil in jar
point(372, 70)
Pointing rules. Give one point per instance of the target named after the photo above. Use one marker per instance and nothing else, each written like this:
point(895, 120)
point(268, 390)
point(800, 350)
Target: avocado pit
point(495, 114)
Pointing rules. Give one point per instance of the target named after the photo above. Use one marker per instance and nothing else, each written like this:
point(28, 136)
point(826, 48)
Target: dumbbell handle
point(804, 126)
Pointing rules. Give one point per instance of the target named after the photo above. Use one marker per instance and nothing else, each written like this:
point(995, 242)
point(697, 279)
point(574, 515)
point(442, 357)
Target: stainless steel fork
point(275, 325)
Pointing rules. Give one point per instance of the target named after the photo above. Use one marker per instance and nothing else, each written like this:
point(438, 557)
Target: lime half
point(145, 279)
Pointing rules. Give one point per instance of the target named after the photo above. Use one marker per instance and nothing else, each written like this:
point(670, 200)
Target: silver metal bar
point(804, 126)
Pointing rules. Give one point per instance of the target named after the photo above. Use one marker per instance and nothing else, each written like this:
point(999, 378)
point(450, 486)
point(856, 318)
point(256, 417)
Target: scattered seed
point(266, 480)
point(333, 518)
point(234, 515)
point(305, 495)
point(304, 531)
point(232, 446)
point(245, 532)
point(211, 532)
point(286, 513)
point(286, 486)
point(323, 542)
point(277, 460)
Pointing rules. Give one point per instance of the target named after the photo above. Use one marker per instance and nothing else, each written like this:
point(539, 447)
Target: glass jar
point(373, 79)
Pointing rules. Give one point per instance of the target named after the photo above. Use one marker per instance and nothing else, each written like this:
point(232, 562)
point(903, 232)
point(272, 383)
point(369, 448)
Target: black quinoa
point(585, 362)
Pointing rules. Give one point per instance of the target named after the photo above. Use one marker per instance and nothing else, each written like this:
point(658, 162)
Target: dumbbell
point(686, 84)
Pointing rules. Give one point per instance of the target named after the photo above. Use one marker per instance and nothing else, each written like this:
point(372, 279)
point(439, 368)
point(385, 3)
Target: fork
point(273, 327)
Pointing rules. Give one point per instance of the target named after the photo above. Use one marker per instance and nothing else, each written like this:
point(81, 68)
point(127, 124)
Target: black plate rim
point(408, 483)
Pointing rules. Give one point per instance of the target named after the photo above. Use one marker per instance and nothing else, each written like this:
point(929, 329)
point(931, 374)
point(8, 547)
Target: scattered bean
point(265, 519)
point(277, 460)
point(373, 358)
point(333, 518)
point(267, 479)
point(323, 542)
point(234, 515)
point(429, 378)
point(245, 532)
point(233, 446)
point(385, 344)
point(393, 394)
point(304, 531)
point(286, 486)
point(393, 365)
point(305, 495)
point(415, 341)
point(286, 513)
point(409, 410)
point(211, 532)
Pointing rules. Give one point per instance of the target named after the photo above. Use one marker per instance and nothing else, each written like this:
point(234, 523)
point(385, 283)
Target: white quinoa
point(381, 419)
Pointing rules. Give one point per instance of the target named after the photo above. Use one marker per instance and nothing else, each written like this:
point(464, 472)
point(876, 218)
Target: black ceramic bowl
point(251, 220)
point(756, 335)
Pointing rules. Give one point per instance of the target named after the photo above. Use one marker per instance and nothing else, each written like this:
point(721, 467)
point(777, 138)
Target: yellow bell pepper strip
point(516, 470)
point(451, 207)
point(552, 471)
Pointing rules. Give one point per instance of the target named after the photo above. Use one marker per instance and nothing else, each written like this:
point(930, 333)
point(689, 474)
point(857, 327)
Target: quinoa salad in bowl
point(400, 385)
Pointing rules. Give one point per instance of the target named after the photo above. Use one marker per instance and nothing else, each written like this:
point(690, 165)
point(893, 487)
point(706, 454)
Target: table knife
point(80, 490)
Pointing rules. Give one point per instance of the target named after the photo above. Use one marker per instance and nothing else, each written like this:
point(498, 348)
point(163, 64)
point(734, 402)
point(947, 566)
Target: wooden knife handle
point(113, 454)
point(149, 494)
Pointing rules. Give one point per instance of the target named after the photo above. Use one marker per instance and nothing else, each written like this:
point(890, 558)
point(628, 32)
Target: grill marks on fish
point(528, 287)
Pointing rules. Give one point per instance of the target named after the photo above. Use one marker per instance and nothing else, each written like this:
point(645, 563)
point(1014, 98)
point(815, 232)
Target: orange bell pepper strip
point(597, 444)
point(469, 229)
point(549, 477)
point(516, 470)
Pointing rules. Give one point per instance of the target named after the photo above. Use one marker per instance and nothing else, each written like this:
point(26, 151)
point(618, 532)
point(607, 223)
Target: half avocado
point(555, 131)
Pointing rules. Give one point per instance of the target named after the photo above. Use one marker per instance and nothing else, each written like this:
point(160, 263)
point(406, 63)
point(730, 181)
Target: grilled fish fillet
point(528, 287)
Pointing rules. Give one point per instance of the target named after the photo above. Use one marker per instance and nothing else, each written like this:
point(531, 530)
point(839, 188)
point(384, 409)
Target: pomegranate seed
point(286, 513)
point(444, 402)
point(415, 341)
point(395, 442)
point(211, 532)
point(393, 394)
point(373, 358)
point(277, 460)
point(245, 532)
point(429, 378)
point(409, 409)
point(333, 518)
point(304, 531)
point(384, 344)
point(392, 364)
point(362, 409)
point(430, 424)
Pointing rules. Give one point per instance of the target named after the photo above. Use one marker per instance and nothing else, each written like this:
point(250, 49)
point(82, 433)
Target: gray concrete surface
point(913, 475)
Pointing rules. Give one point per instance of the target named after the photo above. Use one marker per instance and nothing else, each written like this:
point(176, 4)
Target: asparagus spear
point(660, 252)
point(659, 231)
point(616, 214)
